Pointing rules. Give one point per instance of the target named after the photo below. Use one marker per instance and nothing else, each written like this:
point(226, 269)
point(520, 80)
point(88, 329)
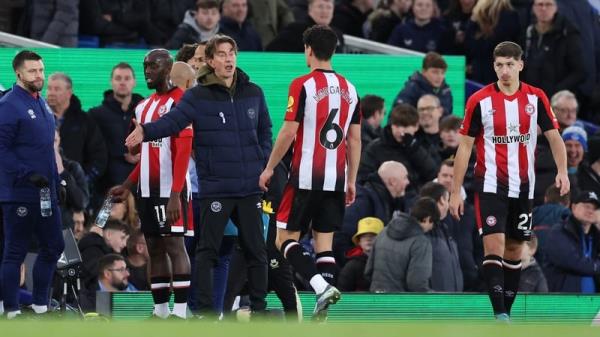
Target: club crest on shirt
point(491, 221)
point(216, 206)
point(22, 212)
point(162, 110)
point(251, 113)
point(529, 109)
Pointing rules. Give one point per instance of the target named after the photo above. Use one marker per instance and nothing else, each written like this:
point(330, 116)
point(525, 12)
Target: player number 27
point(161, 214)
point(524, 222)
point(325, 136)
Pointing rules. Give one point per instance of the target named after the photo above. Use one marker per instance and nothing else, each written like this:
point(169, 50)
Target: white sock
point(13, 314)
point(180, 310)
point(1, 307)
point(39, 309)
point(318, 283)
point(162, 310)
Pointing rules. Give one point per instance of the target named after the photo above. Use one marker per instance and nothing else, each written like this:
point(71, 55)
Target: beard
point(121, 286)
point(32, 87)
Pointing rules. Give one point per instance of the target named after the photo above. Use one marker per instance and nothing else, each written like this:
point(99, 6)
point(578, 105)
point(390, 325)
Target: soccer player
point(502, 120)
point(163, 187)
point(323, 123)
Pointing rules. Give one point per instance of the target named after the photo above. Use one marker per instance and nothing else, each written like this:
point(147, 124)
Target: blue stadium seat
point(88, 41)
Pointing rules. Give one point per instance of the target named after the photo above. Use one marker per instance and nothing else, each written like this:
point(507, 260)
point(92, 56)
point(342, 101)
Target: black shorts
point(153, 217)
point(301, 208)
point(500, 214)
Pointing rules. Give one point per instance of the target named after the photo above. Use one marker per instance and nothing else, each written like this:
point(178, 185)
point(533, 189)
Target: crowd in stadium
point(406, 153)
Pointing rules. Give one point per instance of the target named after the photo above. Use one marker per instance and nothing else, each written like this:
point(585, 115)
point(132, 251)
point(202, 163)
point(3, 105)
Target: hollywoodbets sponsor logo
point(523, 138)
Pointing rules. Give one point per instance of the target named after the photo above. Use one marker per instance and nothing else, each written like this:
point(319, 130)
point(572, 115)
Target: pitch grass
point(191, 329)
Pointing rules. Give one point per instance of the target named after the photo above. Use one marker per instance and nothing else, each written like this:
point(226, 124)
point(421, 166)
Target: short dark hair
point(449, 123)
point(508, 49)
point(186, 52)
point(322, 40)
point(22, 56)
point(434, 60)
point(215, 41)
point(122, 65)
point(552, 196)
point(433, 190)
point(116, 225)
point(207, 4)
point(425, 207)
point(107, 261)
point(448, 162)
point(404, 115)
point(369, 104)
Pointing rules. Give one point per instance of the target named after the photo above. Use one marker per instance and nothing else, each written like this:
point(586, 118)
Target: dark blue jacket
point(26, 146)
point(545, 217)
point(417, 86)
point(567, 263)
point(245, 36)
point(232, 134)
point(430, 37)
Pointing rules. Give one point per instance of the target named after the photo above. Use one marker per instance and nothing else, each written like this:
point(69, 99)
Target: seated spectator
point(289, 39)
point(553, 212)
point(79, 225)
point(114, 119)
point(588, 175)
point(97, 243)
point(566, 109)
point(133, 15)
point(422, 33)
point(401, 257)
point(350, 15)
point(113, 276)
point(197, 26)
point(269, 17)
point(373, 110)
point(532, 277)
point(137, 260)
point(573, 249)
point(552, 51)
point(457, 17)
point(575, 139)
point(398, 143)
point(92, 21)
point(234, 23)
point(449, 126)
point(378, 197)
point(192, 54)
point(430, 80)
point(55, 21)
point(81, 138)
point(430, 111)
point(126, 212)
point(383, 20)
point(166, 15)
point(446, 273)
point(352, 276)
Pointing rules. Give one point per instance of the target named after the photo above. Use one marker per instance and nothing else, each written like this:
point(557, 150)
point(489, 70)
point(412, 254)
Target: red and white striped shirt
point(325, 104)
point(505, 132)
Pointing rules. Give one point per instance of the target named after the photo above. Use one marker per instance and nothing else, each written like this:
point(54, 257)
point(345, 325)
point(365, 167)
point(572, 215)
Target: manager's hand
point(136, 136)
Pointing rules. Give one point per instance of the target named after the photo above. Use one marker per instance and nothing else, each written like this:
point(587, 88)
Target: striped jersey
point(325, 104)
point(505, 131)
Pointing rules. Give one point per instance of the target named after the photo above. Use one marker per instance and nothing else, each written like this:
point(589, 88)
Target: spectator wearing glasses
point(430, 112)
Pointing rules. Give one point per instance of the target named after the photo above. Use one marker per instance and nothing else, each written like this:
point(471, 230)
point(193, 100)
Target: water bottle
point(45, 202)
point(104, 212)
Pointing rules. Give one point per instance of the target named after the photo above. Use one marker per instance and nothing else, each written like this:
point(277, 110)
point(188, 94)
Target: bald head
point(183, 75)
point(395, 177)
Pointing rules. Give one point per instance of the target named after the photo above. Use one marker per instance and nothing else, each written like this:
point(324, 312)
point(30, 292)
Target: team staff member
point(232, 132)
point(502, 121)
point(28, 165)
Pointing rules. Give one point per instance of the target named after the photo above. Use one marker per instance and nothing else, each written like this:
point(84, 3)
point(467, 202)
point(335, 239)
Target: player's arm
point(559, 152)
point(285, 138)
point(354, 144)
point(120, 192)
point(183, 151)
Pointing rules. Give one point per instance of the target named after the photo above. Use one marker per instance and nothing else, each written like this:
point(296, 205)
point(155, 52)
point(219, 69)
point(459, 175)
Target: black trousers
point(246, 214)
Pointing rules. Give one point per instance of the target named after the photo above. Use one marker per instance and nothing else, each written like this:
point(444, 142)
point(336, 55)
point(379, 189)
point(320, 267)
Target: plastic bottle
point(104, 212)
point(45, 202)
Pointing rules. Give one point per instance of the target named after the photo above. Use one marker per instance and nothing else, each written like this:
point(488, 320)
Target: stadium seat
point(88, 41)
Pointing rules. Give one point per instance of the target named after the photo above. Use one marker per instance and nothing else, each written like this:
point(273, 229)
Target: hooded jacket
point(401, 258)
point(189, 32)
point(92, 247)
point(232, 133)
point(417, 86)
point(245, 35)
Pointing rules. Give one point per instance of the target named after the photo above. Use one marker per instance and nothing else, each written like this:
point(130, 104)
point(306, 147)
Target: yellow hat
point(368, 225)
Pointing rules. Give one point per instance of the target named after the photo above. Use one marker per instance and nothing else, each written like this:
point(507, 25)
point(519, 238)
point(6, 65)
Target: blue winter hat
point(576, 133)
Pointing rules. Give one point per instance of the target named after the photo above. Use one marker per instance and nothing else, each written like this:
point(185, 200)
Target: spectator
point(289, 39)
point(235, 23)
point(352, 275)
point(430, 111)
point(398, 143)
point(383, 20)
point(133, 15)
point(79, 225)
point(493, 21)
point(552, 51)
point(575, 139)
point(588, 176)
point(379, 198)
point(554, 211)
point(97, 243)
point(532, 277)
point(401, 257)
point(268, 17)
point(573, 248)
point(430, 80)
point(137, 260)
point(166, 15)
point(457, 17)
point(350, 15)
point(446, 275)
point(566, 109)
point(126, 212)
point(55, 21)
point(424, 32)
point(373, 110)
point(113, 118)
point(449, 126)
point(92, 21)
point(197, 26)
point(81, 139)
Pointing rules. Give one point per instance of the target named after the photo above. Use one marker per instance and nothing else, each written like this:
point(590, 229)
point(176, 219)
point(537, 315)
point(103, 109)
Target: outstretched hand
point(136, 136)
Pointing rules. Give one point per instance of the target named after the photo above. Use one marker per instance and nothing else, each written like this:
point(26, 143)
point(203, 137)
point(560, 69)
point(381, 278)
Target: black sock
point(327, 267)
point(161, 289)
point(493, 275)
point(181, 287)
point(299, 259)
point(512, 275)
